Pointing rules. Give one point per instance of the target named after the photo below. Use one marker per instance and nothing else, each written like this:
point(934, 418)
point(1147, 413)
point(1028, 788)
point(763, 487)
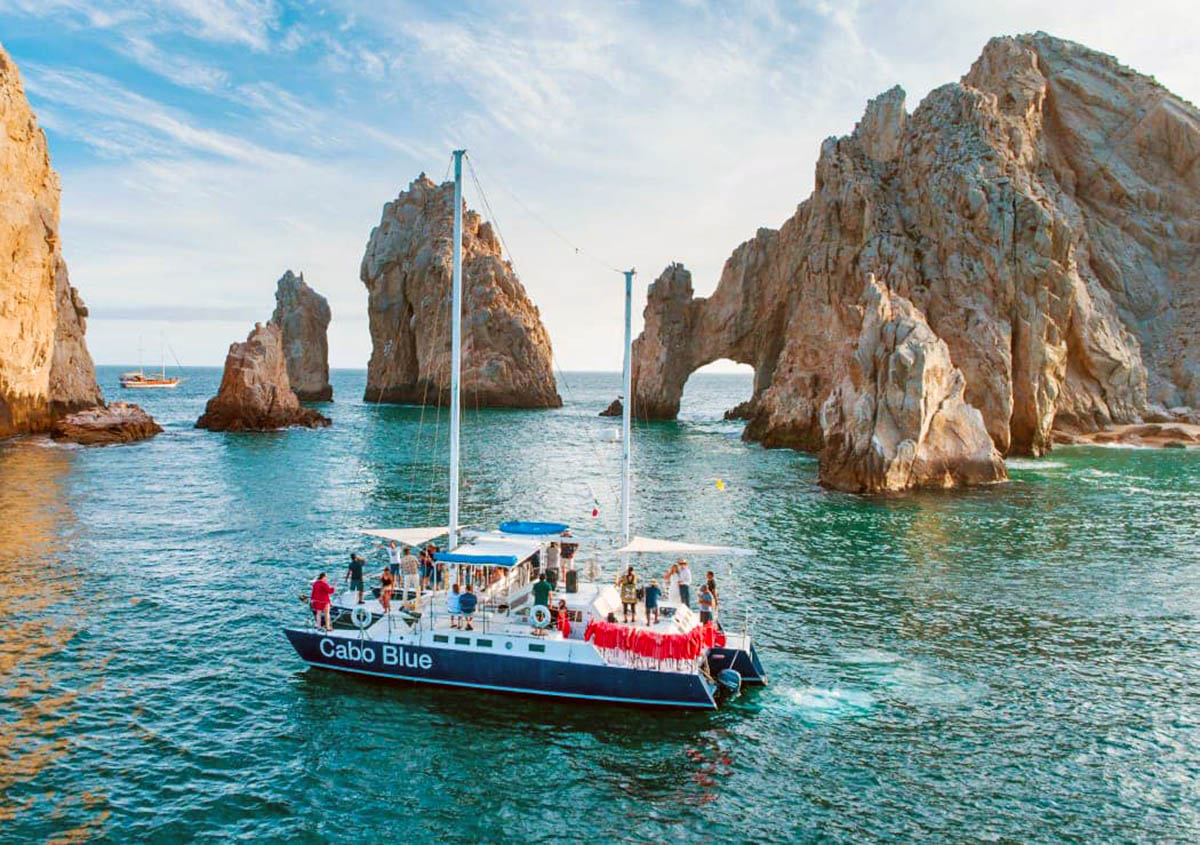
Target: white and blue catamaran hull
point(460, 667)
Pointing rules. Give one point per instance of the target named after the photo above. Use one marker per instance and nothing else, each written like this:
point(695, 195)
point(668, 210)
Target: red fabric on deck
point(653, 645)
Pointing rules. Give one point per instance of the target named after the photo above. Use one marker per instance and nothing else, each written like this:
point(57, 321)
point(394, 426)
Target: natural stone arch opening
point(684, 333)
point(709, 390)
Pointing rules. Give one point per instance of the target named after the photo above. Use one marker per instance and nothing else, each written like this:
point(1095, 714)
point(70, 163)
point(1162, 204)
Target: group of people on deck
point(412, 573)
point(632, 593)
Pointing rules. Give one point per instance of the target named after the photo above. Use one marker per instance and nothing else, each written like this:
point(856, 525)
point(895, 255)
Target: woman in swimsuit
point(386, 582)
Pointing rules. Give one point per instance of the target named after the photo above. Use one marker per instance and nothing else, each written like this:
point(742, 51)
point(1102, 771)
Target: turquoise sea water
point(1021, 662)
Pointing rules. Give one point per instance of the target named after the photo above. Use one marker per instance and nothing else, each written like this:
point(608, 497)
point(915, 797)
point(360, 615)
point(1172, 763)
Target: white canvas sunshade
point(407, 536)
point(648, 545)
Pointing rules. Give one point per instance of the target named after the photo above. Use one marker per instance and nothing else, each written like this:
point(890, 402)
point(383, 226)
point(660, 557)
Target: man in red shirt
point(319, 601)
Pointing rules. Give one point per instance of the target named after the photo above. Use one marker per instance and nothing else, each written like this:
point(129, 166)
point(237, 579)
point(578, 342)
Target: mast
point(627, 408)
point(455, 347)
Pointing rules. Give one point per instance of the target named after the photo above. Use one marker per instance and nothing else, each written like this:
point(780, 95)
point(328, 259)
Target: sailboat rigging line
point(578, 250)
point(561, 376)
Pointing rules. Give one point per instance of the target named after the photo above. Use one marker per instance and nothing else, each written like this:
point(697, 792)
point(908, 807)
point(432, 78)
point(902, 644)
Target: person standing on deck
point(711, 583)
point(652, 594)
point(684, 574)
point(553, 563)
point(542, 591)
point(393, 553)
point(628, 585)
point(386, 582)
point(411, 568)
point(454, 606)
point(319, 601)
point(354, 575)
point(705, 600)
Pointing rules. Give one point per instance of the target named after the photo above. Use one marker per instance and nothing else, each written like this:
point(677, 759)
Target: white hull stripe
point(438, 682)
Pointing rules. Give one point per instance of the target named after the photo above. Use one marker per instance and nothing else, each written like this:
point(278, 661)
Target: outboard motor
point(729, 682)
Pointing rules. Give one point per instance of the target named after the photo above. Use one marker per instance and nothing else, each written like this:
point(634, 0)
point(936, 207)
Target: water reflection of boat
point(575, 651)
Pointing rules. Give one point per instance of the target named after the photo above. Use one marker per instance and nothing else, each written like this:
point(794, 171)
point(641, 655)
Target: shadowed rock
point(303, 317)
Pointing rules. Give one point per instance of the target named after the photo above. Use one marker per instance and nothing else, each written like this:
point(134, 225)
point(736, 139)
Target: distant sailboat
point(138, 379)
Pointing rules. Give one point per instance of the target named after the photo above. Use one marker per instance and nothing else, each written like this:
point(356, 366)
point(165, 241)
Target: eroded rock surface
point(1043, 214)
point(119, 422)
point(44, 365)
point(255, 394)
point(303, 317)
point(506, 355)
point(898, 420)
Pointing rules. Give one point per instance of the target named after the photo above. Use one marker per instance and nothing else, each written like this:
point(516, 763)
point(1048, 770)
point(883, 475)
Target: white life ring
point(361, 617)
point(540, 617)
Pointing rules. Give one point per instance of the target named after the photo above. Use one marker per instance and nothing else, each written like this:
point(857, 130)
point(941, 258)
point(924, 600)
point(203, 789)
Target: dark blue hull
point(745, 663)
point(502, 673)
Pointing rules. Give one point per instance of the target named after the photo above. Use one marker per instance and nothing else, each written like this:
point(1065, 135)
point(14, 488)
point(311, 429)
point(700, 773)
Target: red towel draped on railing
point(653, 645)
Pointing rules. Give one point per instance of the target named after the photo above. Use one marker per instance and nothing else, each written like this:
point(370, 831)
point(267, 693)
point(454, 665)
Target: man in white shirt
point(393, 554)
point(684, 574)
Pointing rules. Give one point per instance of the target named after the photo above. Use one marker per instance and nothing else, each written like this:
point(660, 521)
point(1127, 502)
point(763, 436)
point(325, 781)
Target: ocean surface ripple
point(1020, 663)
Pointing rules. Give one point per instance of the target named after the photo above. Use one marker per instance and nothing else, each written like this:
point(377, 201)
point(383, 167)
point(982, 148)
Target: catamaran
point(577, 650)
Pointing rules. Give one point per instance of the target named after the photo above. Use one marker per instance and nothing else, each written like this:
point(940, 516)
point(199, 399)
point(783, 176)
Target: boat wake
point(827, 705)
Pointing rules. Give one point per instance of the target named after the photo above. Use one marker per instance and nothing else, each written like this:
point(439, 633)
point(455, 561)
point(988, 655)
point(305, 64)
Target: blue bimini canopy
point(476, 559)
point(533, 528)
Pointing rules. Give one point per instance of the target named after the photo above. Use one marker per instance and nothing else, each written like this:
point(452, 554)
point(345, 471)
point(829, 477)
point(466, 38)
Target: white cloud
point(112, 115)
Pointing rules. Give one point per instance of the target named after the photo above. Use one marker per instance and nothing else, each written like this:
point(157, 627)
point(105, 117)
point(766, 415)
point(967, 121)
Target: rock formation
point(72, 375)
point(1043, 214)
point(44, 365)
point(120, 422)
point(506, 356)
point(303, 317)
point(255, 394)
point(897, 420)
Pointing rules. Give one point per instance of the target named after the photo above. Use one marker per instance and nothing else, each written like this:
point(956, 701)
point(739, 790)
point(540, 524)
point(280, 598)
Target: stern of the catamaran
point(738, 654)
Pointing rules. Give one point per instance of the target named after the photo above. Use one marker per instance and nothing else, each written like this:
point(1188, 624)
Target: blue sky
point(205, 147)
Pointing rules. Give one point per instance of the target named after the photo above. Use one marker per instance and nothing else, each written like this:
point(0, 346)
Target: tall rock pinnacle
point(506, 357)
point(303, 317)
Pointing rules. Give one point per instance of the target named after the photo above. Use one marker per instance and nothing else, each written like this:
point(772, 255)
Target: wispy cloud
point(105, 105)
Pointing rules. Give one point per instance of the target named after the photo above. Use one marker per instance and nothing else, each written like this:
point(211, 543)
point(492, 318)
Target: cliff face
point(506, 356)
point(44, 365)
point(303, 317)
point(1043, 214)
point(255, 394)
point(897, 419)
point(72, 374)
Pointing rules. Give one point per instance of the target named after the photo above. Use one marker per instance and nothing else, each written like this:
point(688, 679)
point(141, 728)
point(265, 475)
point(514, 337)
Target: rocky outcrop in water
point(506, 355)
point(897, 419)
point(44, 365)
point(1043, 214)
point(255, 394)
point(303, 317)
point(119, 422)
